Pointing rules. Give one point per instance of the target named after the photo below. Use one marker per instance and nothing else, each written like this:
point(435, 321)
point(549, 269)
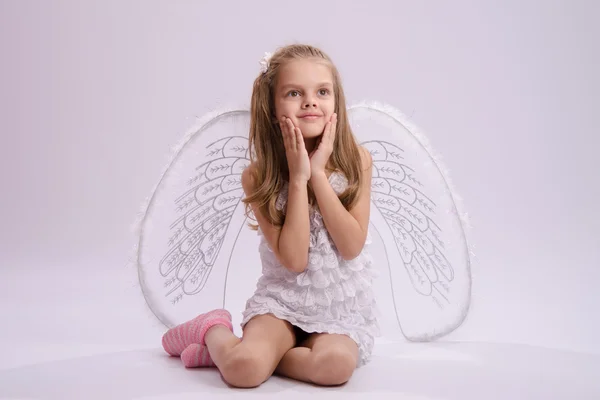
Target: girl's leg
point(250, 361)
point(324, 359)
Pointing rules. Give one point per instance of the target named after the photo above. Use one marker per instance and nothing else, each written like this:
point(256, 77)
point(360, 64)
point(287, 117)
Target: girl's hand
point(320, 156)
point(295, 151)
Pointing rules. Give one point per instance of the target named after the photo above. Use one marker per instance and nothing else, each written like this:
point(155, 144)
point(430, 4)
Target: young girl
point(312, 316)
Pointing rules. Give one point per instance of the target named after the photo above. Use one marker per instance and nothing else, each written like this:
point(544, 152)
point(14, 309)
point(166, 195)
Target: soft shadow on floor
point(425, 371)
point(122, 375)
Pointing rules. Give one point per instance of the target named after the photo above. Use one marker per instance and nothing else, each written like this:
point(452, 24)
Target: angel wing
point(415, 214)
point(206, 210)
point(194, 217)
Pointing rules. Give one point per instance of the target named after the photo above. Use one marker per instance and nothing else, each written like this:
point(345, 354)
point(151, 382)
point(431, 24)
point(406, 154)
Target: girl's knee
point(334, 366)
point(244, 368)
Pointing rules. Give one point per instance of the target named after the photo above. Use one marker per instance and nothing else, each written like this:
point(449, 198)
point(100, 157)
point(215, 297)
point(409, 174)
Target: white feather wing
point(415, 215)
point(194, 215)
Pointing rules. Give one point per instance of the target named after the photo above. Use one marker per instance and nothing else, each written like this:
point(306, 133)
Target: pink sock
point(196, 356)
point(176, 339)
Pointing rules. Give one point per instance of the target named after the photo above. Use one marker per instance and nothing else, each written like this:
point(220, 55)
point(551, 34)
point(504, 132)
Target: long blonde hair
point(267, 155)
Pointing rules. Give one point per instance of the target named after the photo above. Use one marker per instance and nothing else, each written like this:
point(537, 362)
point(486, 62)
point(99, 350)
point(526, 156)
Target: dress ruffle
point(332, 295)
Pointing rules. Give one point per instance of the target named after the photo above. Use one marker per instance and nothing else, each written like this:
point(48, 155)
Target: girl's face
point(305, 94)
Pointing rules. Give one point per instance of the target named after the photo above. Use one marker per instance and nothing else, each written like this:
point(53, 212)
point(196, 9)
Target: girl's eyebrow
point(292, 85)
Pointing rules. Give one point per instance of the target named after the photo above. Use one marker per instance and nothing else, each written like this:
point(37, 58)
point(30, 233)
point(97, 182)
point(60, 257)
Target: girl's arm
point(289, 242)
point(348, 229)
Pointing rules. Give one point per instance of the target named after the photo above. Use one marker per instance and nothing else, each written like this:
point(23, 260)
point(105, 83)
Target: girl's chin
point(311, 132)
point(310, 137)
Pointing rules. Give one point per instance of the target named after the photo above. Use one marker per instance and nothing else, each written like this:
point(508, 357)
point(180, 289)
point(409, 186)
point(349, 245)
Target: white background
point(94, 93)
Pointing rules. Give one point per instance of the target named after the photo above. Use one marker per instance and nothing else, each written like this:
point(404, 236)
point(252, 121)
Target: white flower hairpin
point(265, 62)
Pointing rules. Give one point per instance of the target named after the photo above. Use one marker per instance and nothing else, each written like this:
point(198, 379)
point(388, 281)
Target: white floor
point(70, 335)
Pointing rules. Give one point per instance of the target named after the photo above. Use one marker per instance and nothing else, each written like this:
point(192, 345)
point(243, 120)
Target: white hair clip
point(265, 62)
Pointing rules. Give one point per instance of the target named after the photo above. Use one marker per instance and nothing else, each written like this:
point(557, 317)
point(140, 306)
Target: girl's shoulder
point(366, 158)
point(249, 177)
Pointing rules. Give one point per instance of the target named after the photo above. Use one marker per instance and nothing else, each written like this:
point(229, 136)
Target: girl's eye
point(295, 93)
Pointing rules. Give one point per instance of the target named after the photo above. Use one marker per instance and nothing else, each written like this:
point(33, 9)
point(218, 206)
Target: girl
point(312, 316)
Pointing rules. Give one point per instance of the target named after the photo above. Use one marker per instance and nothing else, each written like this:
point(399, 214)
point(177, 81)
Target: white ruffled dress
point(332, 295)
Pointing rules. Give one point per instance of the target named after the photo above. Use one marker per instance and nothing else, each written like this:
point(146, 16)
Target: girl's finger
point(299, 139)
point(332, 129)
point(326, 133)
point(291, 131)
